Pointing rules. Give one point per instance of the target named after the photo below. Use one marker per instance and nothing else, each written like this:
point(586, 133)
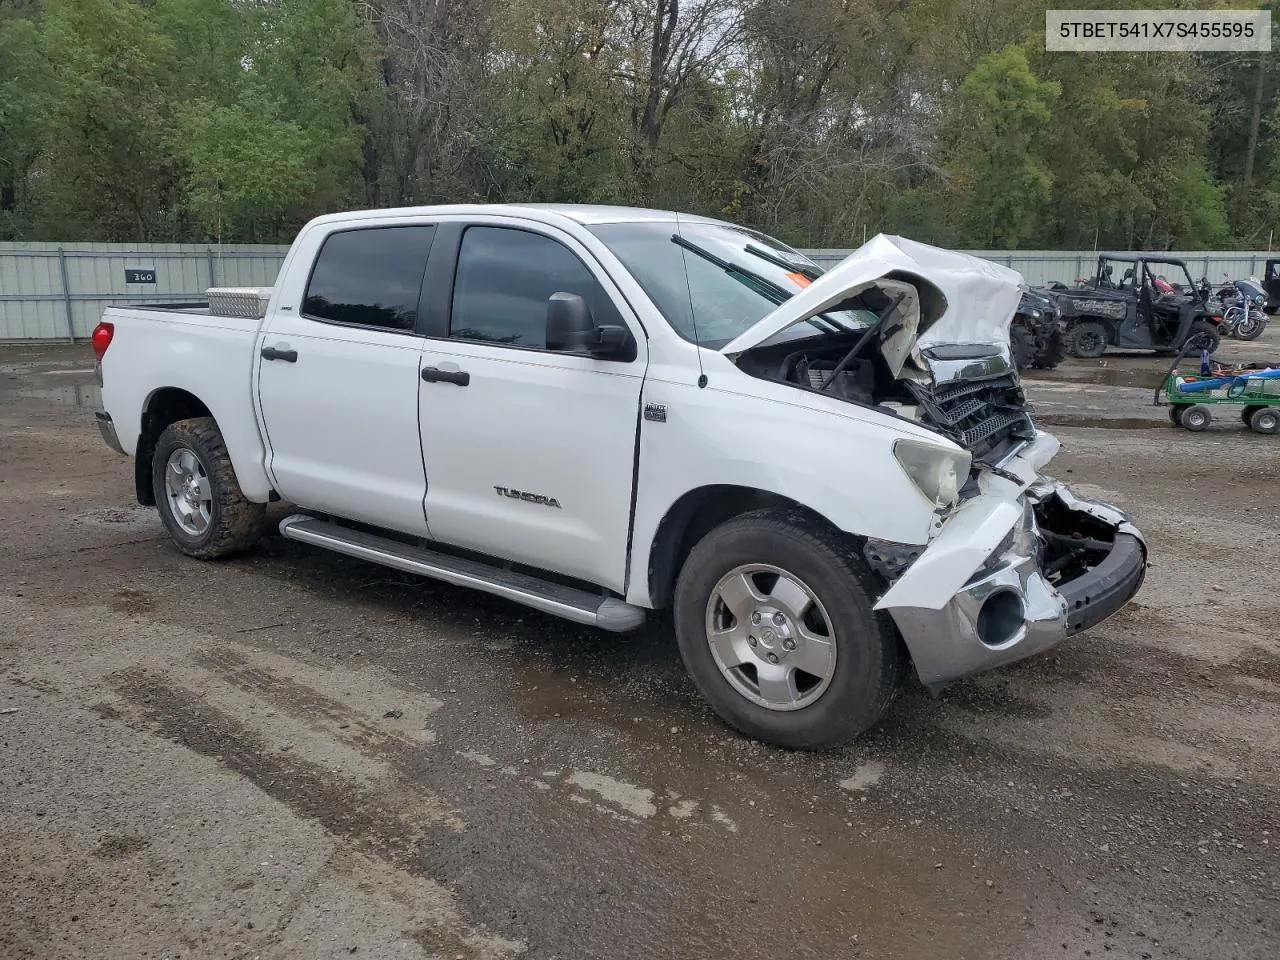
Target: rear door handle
point(435, 375)
point(274, 353)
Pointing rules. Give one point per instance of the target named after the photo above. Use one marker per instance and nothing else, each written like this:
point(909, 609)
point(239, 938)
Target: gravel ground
point(294, 754)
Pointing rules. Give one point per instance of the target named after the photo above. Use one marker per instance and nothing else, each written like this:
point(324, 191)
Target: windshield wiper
point(773, 292)
point(804, 269)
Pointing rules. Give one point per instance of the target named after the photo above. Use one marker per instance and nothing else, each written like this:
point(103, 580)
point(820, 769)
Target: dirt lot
point(294, 754)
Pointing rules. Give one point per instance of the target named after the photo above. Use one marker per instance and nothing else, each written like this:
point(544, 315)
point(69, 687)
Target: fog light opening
point(1000, 618)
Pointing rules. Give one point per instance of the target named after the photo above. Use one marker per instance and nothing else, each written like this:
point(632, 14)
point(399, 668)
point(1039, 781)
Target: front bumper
point(1008, 609)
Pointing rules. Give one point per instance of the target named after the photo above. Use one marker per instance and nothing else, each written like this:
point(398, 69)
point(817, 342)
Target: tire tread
point(237, 522)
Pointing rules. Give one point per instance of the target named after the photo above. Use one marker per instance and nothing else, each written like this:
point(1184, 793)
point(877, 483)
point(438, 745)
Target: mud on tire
point(868, 663)
point(233, 523)
point(1052, 353)
point(1087, 339)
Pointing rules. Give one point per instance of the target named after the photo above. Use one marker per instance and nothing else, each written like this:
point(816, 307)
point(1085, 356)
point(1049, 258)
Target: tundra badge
point(527, 497)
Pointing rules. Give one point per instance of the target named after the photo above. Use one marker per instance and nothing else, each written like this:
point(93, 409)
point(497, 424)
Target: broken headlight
point(936, 471)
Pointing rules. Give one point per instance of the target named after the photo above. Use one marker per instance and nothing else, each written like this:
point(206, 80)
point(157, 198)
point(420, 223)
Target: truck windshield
point(713, 281)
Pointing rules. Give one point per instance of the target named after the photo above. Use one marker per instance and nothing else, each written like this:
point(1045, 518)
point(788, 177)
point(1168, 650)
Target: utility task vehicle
point(1037, 335)
point(598, 412)
point(1125, 305)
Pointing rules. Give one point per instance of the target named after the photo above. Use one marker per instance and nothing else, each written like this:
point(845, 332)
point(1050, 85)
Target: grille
point(982, 416)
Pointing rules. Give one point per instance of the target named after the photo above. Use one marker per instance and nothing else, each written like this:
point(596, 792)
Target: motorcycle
point(1243, 309)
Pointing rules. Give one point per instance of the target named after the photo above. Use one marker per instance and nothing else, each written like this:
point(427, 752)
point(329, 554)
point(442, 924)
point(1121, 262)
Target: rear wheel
point(1087, 339)
point(1197, 418)
point(1246, 414)
point(774, 619)
point(196, 491)
point(1175, 416)
point(1265, 420)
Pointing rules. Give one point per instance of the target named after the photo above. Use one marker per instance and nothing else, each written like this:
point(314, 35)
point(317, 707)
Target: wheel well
point(692, 517)
point(165, 406)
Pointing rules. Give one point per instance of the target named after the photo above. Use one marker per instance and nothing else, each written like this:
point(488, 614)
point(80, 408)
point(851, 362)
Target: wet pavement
point(297, 754)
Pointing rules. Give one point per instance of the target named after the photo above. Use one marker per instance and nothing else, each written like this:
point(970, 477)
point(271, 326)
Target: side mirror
point(571, 329)
point(569, 323)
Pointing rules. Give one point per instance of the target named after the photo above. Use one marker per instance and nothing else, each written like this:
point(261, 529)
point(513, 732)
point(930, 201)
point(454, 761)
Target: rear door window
point(370, 277)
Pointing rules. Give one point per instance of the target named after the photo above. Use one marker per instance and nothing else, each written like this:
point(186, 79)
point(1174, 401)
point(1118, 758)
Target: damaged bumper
point(1007, 578)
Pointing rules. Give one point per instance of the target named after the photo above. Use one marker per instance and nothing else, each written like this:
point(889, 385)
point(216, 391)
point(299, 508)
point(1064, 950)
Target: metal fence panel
point(35, 304)
point(53, 291)
point(1045, 266)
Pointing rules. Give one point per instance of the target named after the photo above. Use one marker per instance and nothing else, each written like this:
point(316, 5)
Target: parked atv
point(1037, 333)
point(1134, 312)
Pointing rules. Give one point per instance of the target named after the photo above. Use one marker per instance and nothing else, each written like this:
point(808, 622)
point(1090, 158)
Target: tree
point(1000, 185)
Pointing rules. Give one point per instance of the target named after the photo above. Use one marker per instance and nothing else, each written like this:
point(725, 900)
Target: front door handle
point(275, 353)
point(435, 375)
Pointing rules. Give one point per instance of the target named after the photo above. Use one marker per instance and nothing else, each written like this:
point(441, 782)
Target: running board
point(580, 606)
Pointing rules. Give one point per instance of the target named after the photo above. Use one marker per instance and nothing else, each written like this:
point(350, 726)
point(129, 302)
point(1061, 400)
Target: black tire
point(234, 523)
point(1087, 339)
point(868, 662)
point(1022, 343)
point(1203, 336)
point(1250, 328)
point(1052, 353)
point(1175, 415)
point(1265, 420)
point(1196, 418)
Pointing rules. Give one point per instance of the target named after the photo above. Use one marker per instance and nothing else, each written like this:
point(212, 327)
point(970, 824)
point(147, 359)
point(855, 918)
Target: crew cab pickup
point(600, 412)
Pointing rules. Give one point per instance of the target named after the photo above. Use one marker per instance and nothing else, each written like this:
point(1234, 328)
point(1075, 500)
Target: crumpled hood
point(958, 298)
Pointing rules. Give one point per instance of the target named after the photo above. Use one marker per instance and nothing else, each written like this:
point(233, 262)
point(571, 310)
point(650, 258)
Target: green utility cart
point(1193, 398)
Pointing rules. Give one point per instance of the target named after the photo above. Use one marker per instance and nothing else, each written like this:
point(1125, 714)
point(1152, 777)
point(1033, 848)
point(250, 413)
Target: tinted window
point(370, 277)
point(504, 280)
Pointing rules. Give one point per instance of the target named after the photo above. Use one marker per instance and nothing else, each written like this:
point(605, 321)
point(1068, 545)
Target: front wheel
point(1203, 336)
point(1022, 344)
point(199, 500)
point(1251, 327)
point(773, 615)
point(1052, 353)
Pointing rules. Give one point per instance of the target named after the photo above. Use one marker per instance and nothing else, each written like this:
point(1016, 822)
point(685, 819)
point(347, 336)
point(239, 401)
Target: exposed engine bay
point(972, 397)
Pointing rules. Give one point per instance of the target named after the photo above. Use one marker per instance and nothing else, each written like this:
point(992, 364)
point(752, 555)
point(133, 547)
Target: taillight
point(101, 338)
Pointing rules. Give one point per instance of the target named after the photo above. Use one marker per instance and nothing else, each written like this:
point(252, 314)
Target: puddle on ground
point(1100, 423)
point(1103, 376)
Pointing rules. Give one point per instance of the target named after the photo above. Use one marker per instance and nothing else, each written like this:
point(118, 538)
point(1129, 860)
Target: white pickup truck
point(598, 412)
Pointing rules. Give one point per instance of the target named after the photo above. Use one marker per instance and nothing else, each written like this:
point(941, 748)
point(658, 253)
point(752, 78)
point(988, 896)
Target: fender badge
point(657, 412)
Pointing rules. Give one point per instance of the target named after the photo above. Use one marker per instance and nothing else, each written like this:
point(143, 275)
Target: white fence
point(50, 291)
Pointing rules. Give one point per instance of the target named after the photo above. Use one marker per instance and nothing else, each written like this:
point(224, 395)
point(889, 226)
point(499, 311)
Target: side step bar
point(580, 606)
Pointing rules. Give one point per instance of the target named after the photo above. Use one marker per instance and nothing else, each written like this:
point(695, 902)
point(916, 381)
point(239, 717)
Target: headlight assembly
point(936, 471)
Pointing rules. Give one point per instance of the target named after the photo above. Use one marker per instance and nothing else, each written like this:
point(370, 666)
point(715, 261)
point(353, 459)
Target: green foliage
point(822, 121)
point(245, 168)
point(999, 183)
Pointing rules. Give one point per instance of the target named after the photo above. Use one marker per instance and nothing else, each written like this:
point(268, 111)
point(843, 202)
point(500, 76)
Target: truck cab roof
point(583, 213)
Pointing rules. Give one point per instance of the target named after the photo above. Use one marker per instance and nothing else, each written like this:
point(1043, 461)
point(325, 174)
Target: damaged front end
point(1014, 563)
point(1060, 564)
